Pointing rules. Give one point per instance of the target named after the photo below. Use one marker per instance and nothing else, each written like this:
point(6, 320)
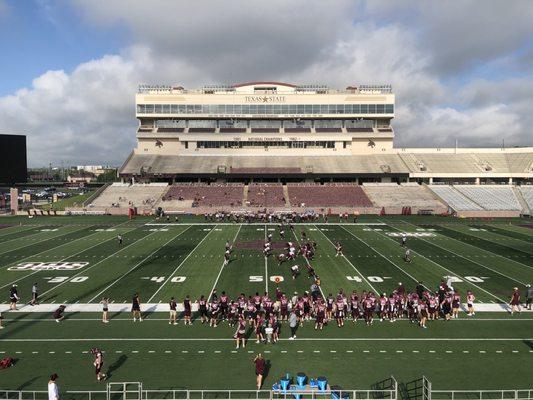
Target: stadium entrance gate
point(124, 391)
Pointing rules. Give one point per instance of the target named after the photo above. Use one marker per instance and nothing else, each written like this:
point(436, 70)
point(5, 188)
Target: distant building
point(95, 169)
point(81, 176)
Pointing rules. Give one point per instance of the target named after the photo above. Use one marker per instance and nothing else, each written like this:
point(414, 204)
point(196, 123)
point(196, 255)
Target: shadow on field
point(116, 365)
point(529, 343)
point(27, 383)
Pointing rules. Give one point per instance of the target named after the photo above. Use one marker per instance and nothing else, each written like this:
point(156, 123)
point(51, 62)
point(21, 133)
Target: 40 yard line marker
point(138, 264)
point(179, 266)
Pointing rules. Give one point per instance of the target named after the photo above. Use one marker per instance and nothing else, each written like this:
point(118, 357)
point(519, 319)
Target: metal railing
point(525, 394)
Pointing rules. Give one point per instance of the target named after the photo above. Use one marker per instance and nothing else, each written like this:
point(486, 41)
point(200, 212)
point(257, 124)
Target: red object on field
point(6, 363)
point(382, 212)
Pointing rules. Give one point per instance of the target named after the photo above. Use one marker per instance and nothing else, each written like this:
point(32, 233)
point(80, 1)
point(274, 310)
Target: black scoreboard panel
point(13, 161)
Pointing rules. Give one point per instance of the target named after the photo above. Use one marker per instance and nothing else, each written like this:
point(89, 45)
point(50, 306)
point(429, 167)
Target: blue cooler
point(322, 383)
point(313, 383)
point(284, 384)
point(300, 379)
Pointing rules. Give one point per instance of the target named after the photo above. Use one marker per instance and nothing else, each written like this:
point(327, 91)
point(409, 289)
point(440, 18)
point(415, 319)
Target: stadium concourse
point(78, 261)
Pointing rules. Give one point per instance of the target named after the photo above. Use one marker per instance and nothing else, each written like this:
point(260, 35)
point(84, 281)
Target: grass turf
point(487, 257)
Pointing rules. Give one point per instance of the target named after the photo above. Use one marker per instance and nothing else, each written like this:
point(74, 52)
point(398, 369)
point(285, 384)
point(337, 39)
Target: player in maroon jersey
point(173, 313)
point(240, 333)
point(340, 312)
point(214, 309)
point(320, 313)
point(202, 308)
point(98, 363)
point(423, 314)
point(515, 301)
point(354, 306)
point(368, 310)
point(456, 303)
point(187, 311)
point(330, 302)
point(224, 304)
point(259, 324)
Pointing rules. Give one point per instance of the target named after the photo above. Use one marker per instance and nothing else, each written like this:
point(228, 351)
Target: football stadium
point(274, 227)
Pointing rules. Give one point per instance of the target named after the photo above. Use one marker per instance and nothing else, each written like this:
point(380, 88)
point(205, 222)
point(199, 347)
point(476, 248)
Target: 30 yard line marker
point(473, 261)
point(446, 269)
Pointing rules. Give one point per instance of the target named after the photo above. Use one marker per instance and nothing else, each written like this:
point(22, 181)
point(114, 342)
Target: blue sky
point(461, 70)
point(37, 36)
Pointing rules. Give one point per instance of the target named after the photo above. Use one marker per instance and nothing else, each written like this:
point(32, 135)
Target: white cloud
point(87, 115)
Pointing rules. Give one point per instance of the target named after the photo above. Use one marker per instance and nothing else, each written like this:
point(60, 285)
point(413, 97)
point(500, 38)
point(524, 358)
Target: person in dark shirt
point(259, 362)
point(58, 313)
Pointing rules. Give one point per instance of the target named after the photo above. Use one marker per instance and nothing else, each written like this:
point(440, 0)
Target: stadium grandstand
point(285, 147)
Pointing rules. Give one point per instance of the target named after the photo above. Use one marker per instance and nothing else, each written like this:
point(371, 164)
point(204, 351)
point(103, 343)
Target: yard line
point(378, 252)
point(349, 262)
point(266, 264)
point(94, 265)
point(139, 263)
point(7, 231)
point(21, 237)
point(71, 255)
point(468, 259)
point(446, 269)
point(180, 264)
point(479, 248)
point(308, 263)
point(47, 238)
point(222, 266)
point(44, 251)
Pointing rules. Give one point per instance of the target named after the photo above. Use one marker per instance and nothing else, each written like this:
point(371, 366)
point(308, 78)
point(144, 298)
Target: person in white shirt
point(53, 390)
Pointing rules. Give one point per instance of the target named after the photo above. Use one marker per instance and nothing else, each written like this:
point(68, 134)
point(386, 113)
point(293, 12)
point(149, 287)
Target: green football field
point(492, 350)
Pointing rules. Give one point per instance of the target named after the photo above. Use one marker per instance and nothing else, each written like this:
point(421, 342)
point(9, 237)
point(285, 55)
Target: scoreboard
point(13, 161)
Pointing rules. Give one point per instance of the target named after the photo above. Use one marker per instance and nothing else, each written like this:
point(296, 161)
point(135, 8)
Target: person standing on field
point(529, 296)
point(259, 362)
point(53, 389)
point(293, 324)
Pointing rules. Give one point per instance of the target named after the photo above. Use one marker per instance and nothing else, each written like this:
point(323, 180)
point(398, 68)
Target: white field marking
point(482, 351)
point(222, 266)
point(139, 263)
point(307, 261)
point(21, 237)
point(349, 351)
point(399, 351)
point(450, 271)
point(39, 241)
point(151, 351)
point(83, 271)
point(471, 260)
point(283, 351)
point(378, 252)
point(266, 264)
point(267, 223)
point(361, 339)
point(44, 251)
point(479, 248)
point(7, 231)
point(179, 266)
point(63, 259)
point(353, 266)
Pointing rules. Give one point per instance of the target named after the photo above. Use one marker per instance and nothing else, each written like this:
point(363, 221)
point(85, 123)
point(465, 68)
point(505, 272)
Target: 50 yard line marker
point(180, 264)
point(139, 263)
